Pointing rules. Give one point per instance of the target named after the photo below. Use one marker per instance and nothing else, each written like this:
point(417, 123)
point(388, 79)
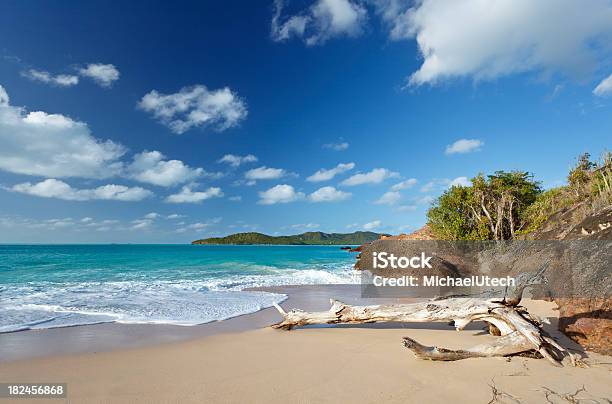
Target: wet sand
point(112, 336)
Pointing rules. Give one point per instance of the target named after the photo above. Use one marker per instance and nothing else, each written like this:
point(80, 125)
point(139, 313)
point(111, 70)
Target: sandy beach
point(314, 201)
point(242, 360)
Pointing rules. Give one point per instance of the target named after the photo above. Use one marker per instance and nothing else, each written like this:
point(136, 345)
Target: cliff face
point(574, 223)
point(586, 317)
point(576, 242)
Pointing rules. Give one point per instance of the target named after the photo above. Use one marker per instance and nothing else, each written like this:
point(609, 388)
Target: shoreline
point(111, 336)
point(241, 359)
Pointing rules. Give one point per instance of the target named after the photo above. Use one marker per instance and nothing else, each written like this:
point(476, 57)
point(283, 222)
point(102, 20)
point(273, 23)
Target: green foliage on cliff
point(490, 208)
point(507, 204)
point(544, 206)
point(309, 238)
point(589, 184)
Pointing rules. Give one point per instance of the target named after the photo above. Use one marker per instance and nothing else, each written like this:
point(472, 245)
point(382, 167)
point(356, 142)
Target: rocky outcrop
point(586, 316)
point(575, 242)
point(424, 233)
point(588, 321)
point(596, 226)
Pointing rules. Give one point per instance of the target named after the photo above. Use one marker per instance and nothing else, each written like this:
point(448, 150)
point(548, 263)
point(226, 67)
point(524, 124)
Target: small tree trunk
point(488, 215)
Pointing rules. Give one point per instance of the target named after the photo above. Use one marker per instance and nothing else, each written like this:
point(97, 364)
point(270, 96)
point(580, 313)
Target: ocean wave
point(179, 303)
point(185, 302)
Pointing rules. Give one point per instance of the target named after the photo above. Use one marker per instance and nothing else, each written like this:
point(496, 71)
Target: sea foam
point(60, 286)
point(180, 303)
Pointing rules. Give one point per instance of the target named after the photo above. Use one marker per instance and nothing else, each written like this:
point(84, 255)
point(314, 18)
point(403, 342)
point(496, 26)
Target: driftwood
point(519, 332)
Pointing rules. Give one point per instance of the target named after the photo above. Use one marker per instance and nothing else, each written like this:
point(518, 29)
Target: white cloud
point(323, 20)
point(389, 198)
point(104, 222)
point(445, 183)
point(460, 181)
point(429, 186)
point(326, 175)
point(336, 146)
point(556, 91)
point(63, 224)
point(235, 161)
point(175, 216)
point(66, 222)
point(372, 225)
point(406, 208)
point(197, 226)
point(60, 80)
point(480, 39)
point(264, 173)
point(103, 74)
point(52, 188)
point(294, 25)
point(150, 167)
point(604, 88)
point(141, 224)
point(409, 183)
point(464, 146)
point(376, 176)
point(213, 175)
point(305, 226)
point(152, 215)
point(4, 98)
point(57, 223)
point(187, 195)
point(328, 194)
point(279, 194)
point(195, 106)
point(53, 145)
point(39, 224)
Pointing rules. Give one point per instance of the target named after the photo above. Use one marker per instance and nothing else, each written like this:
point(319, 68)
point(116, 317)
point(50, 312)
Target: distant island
point(308, 238)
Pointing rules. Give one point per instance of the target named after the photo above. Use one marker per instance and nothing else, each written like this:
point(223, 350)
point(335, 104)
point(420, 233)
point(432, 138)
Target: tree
point(602, 181)
point(580, 175)
point(451, 217)
point(491, 208)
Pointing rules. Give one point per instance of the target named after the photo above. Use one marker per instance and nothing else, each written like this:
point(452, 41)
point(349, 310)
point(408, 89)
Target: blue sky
point(114, 116)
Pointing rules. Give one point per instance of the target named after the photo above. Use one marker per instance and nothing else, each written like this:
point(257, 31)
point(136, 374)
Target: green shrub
point(545, 205)
point(491, 208)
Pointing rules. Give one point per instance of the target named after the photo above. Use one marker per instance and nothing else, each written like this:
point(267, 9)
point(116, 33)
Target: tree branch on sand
point(519, 331)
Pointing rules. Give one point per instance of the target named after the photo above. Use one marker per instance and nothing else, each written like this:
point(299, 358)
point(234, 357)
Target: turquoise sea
point(43, 286)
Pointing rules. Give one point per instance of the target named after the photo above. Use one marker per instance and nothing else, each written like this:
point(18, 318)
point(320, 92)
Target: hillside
point(309, 238)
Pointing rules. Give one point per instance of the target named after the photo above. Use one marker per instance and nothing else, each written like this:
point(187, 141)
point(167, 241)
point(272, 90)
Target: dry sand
point(355, 364)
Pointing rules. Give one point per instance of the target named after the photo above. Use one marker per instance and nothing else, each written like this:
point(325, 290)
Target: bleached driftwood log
point(519, 331)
